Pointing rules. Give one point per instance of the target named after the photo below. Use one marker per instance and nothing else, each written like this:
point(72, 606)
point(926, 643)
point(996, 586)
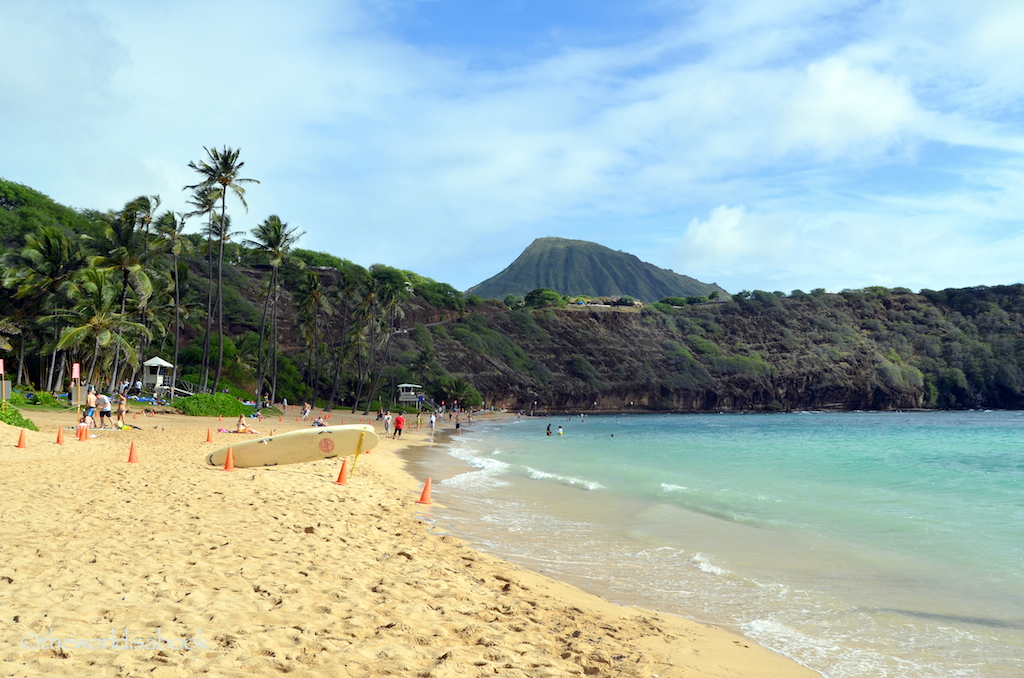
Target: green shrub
point(212, 405)
point(45, 398)
point(11, 416)
point(543, 297)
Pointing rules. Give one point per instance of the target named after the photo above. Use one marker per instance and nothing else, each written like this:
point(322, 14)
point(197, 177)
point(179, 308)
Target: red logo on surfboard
point(327, 446)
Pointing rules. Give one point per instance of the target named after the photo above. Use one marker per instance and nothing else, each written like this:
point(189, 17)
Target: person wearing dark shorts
point(103, 403)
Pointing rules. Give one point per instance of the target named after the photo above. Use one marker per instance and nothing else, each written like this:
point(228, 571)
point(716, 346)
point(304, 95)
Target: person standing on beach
point(399, 425)
point(103, 404)
point(458, 424)
point(306, 407)
point(387, 424)
point(432, 422)
point(122, 408)
point(90, 406)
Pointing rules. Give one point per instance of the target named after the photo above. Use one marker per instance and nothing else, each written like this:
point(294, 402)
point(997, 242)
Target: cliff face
point(761, 353)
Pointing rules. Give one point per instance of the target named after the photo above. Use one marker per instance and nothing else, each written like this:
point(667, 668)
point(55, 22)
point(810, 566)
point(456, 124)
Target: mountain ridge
point(581, 267)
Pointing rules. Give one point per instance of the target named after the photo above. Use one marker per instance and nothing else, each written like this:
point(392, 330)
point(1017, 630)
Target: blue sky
point(783, 145)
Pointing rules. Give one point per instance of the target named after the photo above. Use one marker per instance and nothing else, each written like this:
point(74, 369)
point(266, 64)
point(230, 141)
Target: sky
point(792, 144)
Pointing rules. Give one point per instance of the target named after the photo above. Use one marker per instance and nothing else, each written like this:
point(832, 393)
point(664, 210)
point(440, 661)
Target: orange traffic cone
point(280, 419)
point(342, 479)
point(229, 462)
point(425, 497)
point(21, 440)
point(60, 435)
point(209, 435)
point(133, 458)
point(296, 418)
point(135, 415)
point(220, 417)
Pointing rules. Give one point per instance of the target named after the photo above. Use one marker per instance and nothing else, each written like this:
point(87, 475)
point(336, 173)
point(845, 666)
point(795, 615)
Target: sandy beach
point(169, 567)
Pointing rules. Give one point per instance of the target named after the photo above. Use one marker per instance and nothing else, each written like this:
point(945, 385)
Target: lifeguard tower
point(410, 393)
point(156, 377)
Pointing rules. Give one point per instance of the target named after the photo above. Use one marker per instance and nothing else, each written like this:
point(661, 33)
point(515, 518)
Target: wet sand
point(169, 567)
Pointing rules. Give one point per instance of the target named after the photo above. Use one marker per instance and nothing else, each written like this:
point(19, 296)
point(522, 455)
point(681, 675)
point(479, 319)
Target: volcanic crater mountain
point(579, 267)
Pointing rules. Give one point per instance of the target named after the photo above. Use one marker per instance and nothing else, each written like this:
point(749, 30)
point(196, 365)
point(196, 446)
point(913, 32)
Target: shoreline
point(283, 571)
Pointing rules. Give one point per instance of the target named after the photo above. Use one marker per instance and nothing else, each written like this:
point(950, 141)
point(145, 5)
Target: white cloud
point(424, 159)
point(837, 250)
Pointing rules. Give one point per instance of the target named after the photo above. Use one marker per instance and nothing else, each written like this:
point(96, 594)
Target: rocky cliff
point(875, 349)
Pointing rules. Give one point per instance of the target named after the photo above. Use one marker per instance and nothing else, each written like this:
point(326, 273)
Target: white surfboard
point(294, 447)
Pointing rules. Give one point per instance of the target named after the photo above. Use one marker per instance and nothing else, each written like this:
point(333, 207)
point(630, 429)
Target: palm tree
point(275, 239)
point(94, 319)
point(171, 226)
point(8, 328)
point(392, 288)
point(38, 274)
point(313, 305)
point(204, 202)
point(221, 169)
point(124, 247)
point(146, 207)
point(352, 280)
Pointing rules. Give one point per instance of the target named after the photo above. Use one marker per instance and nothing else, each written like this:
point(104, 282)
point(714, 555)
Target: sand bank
point(172, 568)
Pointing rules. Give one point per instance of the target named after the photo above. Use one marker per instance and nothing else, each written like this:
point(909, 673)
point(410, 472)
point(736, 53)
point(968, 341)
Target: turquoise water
point(859, 544)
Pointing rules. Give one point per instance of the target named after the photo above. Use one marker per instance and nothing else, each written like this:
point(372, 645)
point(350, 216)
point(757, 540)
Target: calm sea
point(858, 544)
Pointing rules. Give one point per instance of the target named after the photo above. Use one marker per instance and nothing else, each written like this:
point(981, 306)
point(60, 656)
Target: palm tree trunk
point(220, 293)
point(60, 375)
point(341, 355)
point(209, 306)
point(177, 325)
point(21, 356)
point(380, 373)
point(117, 350)
point(53, 358)
point(274, 348)
point(359, 381)
point(260, 371)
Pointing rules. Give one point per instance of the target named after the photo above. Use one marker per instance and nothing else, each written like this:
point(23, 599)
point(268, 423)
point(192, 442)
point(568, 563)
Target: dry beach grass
point(280, 571)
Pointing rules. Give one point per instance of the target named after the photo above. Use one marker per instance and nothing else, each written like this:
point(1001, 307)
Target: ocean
point(857, 544)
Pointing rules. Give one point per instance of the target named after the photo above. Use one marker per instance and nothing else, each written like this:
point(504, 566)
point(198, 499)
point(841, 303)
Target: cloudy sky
point(760, 145)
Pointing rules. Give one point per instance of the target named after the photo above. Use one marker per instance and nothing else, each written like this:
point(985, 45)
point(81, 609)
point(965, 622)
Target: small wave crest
point(537, 474)
point(701, 562)
point(489, 470)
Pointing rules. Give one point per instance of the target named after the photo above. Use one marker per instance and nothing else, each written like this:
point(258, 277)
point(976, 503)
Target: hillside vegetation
point(109, 289)
point(861, 349)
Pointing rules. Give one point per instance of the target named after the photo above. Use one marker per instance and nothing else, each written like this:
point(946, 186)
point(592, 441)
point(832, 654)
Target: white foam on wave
point(669, 487)
point(839, 657)
point(702, 563)
point(537, 474)
point(488, 473)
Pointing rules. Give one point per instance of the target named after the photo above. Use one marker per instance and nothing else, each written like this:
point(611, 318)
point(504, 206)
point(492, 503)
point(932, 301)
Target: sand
point(168, 567)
